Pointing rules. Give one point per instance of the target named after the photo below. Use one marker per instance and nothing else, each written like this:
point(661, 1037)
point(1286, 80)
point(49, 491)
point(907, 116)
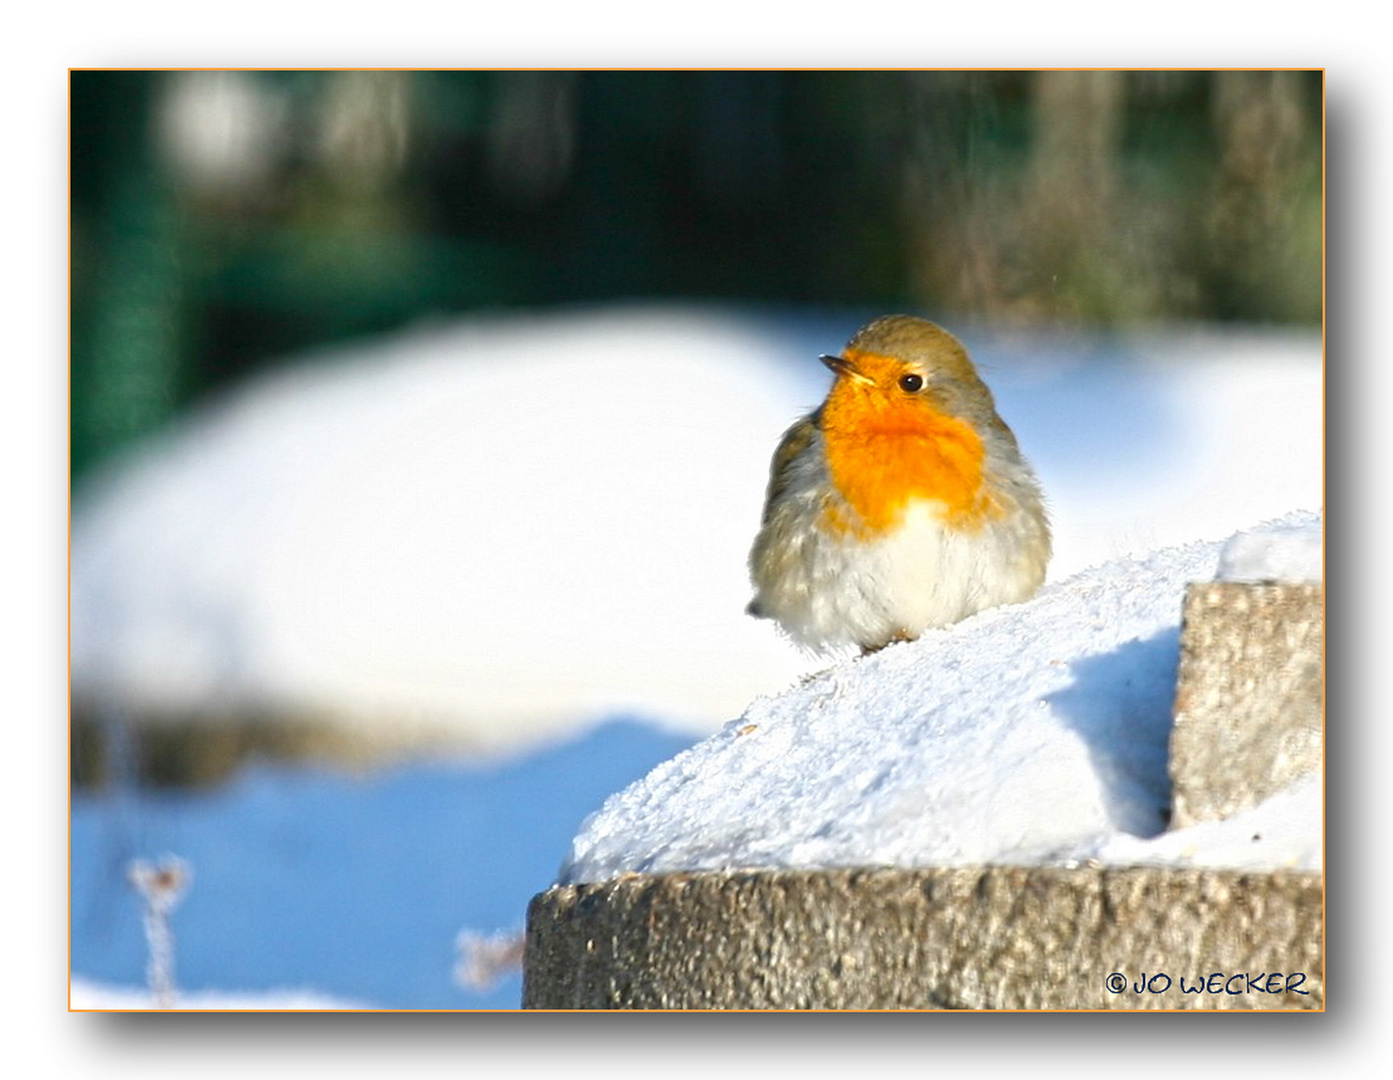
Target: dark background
point(221, 220)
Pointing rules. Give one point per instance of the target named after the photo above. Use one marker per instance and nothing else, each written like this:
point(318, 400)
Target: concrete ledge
point(984, 938)
point(1248, 699)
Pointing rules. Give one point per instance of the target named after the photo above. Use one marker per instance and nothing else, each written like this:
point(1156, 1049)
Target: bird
point(900, 504)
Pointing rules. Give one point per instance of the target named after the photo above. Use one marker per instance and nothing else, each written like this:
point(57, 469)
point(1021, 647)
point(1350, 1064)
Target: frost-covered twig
point(486, 958)
point(162, 887)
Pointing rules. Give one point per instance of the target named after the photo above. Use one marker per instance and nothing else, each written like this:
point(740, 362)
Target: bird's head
point(904, 371)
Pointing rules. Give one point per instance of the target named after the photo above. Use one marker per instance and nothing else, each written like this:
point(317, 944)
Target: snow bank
point(1028, 734)
point(506, 526)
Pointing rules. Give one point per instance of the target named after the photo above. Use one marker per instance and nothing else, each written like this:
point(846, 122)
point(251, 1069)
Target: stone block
point(1249, 693)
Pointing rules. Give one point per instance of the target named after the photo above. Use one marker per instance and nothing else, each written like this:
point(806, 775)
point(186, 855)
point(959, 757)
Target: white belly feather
point(917, 576)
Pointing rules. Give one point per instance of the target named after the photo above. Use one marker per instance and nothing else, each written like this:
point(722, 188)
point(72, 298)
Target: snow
point(358, 889)
point(505, 527)
point(1030, 734)
point(1281, 833)
point(1276, 552)
point(401, 532)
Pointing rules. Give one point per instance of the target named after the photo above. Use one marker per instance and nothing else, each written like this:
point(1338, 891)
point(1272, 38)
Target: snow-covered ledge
point(979, 818)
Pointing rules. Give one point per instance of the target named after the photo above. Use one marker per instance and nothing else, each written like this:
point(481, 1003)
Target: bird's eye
point(911, 384)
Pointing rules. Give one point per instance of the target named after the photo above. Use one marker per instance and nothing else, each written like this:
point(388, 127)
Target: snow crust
point(1028, 734)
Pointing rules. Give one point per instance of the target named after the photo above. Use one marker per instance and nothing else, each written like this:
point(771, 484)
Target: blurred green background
point(221, 220)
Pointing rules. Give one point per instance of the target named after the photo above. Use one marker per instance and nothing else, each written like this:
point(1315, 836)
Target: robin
point(901, 503)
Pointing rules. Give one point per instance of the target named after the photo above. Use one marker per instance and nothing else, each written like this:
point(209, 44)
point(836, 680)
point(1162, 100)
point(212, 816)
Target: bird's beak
point(840, 366)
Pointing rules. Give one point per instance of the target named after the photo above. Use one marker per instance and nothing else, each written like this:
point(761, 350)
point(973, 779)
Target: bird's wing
point(791, 447)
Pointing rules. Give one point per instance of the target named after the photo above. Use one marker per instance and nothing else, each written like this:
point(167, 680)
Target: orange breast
point(883, 454)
